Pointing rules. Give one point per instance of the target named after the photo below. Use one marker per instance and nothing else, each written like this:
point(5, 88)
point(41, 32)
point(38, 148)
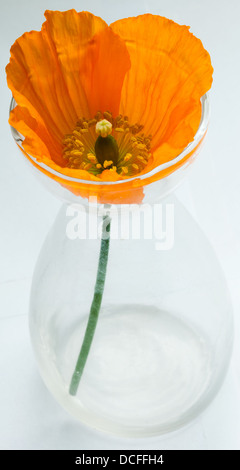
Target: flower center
point(119, 147)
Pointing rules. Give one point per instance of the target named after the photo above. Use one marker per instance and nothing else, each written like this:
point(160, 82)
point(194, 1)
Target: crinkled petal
point(72, 68)
point(45, 68)
point(38, 142)
point(93, 60)
point(170, 71)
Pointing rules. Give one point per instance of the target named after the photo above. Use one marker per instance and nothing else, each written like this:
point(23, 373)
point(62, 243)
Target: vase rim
point(189, 149)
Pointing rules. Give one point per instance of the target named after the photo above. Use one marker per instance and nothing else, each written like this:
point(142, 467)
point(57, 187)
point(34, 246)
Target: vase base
point(147, 373)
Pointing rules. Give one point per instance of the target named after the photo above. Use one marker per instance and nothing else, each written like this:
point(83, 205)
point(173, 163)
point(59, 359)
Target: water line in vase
point(95, 307)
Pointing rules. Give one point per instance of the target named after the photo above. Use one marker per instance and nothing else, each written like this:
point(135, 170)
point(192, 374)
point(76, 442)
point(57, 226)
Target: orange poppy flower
point(99, 103)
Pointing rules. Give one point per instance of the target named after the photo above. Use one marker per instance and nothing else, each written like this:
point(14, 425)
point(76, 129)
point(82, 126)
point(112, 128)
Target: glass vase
point(162, 336)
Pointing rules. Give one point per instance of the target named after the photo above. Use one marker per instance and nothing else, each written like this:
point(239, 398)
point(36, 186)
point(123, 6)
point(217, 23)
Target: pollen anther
point(128, 148)
point(107, 163)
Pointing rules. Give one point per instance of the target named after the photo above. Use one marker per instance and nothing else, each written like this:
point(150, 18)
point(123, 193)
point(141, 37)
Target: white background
point(29, 416)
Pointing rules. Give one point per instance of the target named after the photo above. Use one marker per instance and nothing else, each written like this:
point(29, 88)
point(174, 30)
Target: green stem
point(95, 307)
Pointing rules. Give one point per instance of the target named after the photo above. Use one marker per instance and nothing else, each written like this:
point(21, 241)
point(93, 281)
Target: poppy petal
point(37, 85)
point(72, 68)
point(92, 58)
point(170, 71)
point(38, 142)
point(44, 69)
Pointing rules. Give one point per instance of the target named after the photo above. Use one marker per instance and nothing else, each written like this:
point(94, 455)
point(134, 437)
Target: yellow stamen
point(107, 116)
point(76, 152)
point(107, 163)
point(92, 157)
point(68, 140)
point(134, 148)
point(77, 133)
point(78, 142)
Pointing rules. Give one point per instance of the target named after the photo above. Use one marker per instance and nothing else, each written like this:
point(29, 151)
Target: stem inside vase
point(95, 307)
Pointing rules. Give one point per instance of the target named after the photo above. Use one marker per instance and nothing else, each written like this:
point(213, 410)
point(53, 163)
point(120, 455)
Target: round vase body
point(164, 334)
